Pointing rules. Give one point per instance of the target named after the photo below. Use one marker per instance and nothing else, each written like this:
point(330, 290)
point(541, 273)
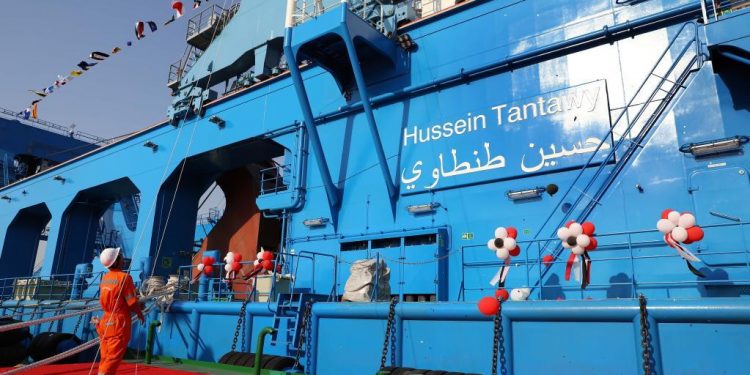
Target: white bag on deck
point(361, 283)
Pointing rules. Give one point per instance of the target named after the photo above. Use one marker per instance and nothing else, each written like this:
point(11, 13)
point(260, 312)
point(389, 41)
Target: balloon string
point(673, 244)
point(569, 265)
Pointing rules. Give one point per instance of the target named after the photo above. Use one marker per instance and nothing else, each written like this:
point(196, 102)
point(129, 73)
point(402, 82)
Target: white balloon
point(501, 232)
point(679, 234)
point(575, 229)
point(200, 266)
point(687, 221)
point(502, 253)
point(229, 258)
point(674, 217)
point(563, 234)
point(228, 267)
point(491, 244)
point(578, 250)
point(566, 244)
point(665, 226)
point(583, 240)
point(518, 294)
point(256, 262)
point(509, 243)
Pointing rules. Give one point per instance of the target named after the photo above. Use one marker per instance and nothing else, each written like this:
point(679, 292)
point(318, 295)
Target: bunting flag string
point(140, 28)
point(100, 56)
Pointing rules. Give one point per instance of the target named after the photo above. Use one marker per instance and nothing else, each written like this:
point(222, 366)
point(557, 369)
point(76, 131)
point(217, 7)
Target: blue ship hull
point(608, 103)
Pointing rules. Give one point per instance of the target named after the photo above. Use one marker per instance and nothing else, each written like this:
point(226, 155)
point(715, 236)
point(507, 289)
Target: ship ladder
point(589, 196)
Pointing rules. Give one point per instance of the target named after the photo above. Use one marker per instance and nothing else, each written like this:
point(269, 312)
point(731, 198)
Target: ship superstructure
point(375, 147)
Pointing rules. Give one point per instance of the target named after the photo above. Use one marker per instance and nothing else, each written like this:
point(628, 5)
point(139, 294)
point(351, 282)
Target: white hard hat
point(109, 256)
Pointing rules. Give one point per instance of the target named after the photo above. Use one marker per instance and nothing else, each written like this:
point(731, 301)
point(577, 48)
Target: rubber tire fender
point(15, 336)
point(279, 363)
point(45, 345)
point(11, 355)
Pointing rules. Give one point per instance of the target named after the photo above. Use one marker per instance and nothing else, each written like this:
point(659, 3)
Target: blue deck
point(499, 96)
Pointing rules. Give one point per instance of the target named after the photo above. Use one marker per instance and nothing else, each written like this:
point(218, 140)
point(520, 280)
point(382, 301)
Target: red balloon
point(208, 270)
point(502, 294)
point(267, 265)
point(592, 245)
point(665, 213)
point(588, 228)
point(567, 225)
point(694, 234)
point(238, 257)
point(236, 266)
point(548, 260)
point(515, 252)
point(208, 261)
point(512, 232)
point(488, 306)
point(267, 255)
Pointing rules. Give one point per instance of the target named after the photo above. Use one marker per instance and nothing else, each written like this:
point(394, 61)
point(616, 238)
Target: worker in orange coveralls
point(118, 300)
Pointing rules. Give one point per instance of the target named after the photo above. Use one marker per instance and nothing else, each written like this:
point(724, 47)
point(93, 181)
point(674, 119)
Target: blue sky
point(43, 38)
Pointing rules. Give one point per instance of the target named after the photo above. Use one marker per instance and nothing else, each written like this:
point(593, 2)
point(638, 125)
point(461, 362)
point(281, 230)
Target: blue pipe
point(608, 34)
point(219, 308)
point(299, 195)
point(299, 86)
point(365, 100)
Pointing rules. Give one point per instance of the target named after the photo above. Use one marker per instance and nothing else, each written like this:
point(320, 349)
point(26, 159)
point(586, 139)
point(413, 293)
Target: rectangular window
point(424, 239)
point(384, 243)
point(354, 245)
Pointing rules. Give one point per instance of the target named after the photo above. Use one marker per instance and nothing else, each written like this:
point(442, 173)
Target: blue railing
point(628, 135)
point(52, 287)
point(628, 248)
point(272, 180)
point(221, 289)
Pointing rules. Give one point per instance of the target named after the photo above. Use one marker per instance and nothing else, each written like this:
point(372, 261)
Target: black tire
point(229, 358)
point(238, 359)
point(46, 344)
point(15, 336)
point(401, 371)
point(12, 355)
point(279, 363)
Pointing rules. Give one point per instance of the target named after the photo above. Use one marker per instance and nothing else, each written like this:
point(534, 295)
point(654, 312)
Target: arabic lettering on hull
point(563, 129)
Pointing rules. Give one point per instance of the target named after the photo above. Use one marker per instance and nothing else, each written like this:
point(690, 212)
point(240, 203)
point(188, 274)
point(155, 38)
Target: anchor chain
point(304, 338)
point(645, 336)
point(240, 321)
point(498, 346)
point(389, 336)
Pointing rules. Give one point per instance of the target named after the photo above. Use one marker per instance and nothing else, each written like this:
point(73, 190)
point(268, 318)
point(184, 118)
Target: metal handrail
point(56, 128)
point(272, 179)
point(617, 245)
point(623, 138)
point(714, 9)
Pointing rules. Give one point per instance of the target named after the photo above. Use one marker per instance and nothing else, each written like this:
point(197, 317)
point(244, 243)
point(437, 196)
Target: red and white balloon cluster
point(233, 265)
point(264, 260)
point(679, 227)
point(504, 245)
point(579, 238)
point(207, 266)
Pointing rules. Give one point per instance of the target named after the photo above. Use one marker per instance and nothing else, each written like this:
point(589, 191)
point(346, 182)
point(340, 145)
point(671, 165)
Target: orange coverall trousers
point(118, 299)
